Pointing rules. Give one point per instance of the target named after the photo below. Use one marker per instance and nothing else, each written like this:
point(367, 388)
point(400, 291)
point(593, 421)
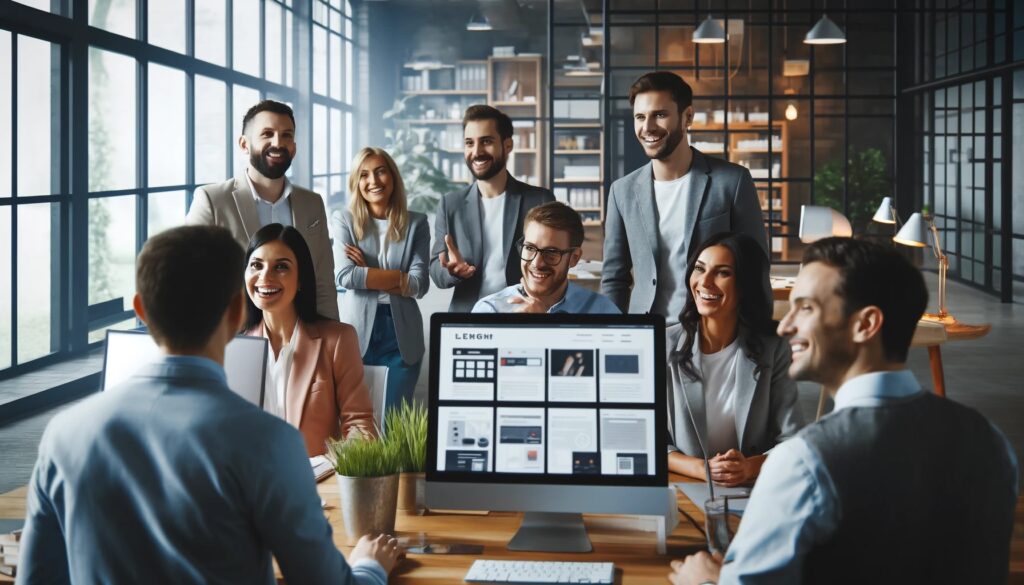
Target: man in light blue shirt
point(171, 477)
point(552, 236)
point(896, 485)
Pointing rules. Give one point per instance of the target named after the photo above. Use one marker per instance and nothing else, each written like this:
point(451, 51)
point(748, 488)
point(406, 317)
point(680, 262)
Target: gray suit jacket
point(230, 205)
point(359, 304)
point(767, 412)
point(722, 198)
point(460, 215)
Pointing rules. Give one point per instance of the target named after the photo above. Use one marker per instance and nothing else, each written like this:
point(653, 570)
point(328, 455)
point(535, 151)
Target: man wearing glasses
point(550, 246)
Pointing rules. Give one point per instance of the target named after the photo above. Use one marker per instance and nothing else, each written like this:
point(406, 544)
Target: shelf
point(578, 152)
point(592, 223)
point(498, 104)
point(577, 124)
point(523, 150)
point(755, 150)
point(578, 180)
point(447, 92)
point(429, 121)
point(586, 208)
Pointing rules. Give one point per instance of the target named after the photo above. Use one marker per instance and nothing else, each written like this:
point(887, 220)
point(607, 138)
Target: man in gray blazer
point(475, 231)
point(263, 195)
point(659, 212)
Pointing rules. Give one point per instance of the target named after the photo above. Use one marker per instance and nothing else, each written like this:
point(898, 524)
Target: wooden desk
point(632, 552)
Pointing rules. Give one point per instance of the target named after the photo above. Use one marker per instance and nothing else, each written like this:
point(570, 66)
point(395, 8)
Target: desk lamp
point(886, 212)
point(914, 233)
point(817, 222)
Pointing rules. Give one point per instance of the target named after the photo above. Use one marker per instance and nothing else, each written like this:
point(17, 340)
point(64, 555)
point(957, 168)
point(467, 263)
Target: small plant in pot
point(406, 426)
point(367, 473)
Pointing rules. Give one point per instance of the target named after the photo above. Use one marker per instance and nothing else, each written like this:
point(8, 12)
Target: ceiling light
point(709, 31)
point(479, 22)
point(825, 32)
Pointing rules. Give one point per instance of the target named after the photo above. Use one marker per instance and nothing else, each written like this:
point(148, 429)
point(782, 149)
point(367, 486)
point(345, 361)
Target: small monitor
point(547, 414)
point(245, 361)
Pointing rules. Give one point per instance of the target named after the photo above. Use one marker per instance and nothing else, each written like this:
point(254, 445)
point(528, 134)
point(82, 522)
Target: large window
point(114, 126)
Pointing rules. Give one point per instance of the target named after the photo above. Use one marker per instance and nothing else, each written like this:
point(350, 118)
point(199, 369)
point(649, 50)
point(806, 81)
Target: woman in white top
point(382, 253)
point(731, 398)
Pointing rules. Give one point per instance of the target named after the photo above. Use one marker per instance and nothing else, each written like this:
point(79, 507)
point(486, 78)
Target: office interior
point(116, 110)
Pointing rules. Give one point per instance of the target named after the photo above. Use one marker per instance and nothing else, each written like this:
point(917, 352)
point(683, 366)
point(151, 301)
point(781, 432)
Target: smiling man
point(549, 248)
point(263, 195)
point(475, 230)
point(896, 485)
point(664, 209)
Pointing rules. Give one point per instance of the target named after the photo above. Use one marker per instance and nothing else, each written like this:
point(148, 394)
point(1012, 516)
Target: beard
point(671, 142)
point(497, 165)
point(259, 162)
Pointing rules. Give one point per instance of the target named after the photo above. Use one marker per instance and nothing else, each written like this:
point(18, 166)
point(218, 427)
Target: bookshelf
point(437, 99)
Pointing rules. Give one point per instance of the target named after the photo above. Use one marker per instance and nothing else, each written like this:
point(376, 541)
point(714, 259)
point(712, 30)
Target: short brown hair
point(558, 216)
point(186, 278)
point(271, 106)
point(485, 112)
point(680, 91)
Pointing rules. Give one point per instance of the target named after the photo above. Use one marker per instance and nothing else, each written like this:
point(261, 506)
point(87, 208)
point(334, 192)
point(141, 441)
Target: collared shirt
point(577, 300)
point(278, 212)
point(794, 504)
point(278, 370)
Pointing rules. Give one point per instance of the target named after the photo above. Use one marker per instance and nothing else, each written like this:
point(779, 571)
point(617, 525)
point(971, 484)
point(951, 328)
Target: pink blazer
point(326, 395)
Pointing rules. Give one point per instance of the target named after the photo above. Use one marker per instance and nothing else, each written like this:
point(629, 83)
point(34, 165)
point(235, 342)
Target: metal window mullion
point(78, 242)
point(141, 152)
point(263, 42)
point(14, 199)
point(846, 123)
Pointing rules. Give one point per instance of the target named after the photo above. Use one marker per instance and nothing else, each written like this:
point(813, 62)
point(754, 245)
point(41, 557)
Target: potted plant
point(367, 473)
point(407, 427)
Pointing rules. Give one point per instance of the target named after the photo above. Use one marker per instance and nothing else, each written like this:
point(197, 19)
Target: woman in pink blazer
point(314, 374)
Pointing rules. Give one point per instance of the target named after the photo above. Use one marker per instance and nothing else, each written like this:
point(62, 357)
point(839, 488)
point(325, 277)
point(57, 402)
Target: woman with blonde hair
point(382, 253)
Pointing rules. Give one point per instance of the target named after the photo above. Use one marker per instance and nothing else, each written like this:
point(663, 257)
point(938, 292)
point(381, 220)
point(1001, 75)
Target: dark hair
point(680, 91)
point(871, 274)
point(558, 216)
point(483, 112)
point(755, 307)
point(186, 278)
point(305, 297)
point(267, 106)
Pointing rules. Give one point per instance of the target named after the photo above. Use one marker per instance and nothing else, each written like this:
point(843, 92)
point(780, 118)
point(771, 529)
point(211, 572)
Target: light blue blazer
point(358, 305)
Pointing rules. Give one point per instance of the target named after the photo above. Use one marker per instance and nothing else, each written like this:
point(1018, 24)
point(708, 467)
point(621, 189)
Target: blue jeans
point(383, 351)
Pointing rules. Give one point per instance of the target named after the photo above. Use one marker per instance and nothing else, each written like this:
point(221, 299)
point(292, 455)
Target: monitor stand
point(551, 532)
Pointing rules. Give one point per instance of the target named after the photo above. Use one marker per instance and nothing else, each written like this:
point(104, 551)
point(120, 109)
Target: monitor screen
point(551, 399)
point(245, 361)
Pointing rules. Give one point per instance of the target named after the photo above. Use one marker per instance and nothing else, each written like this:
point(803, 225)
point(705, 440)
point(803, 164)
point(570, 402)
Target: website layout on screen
point(536, 400)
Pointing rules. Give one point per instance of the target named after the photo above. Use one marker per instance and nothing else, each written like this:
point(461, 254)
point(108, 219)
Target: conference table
point(615, 538)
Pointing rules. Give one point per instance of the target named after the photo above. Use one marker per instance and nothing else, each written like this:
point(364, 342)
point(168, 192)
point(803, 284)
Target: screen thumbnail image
point(521, 374)
point(626, 377)
point(572, 441)
point(465, 439)
point(627, 442)
point(468, 373)
point(572, 362)
point(520, 446)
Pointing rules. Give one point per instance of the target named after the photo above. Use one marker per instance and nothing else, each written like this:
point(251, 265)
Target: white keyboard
point(484, 571)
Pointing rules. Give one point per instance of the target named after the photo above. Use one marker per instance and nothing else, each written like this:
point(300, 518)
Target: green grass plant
point(359, 456)
point(406, 426)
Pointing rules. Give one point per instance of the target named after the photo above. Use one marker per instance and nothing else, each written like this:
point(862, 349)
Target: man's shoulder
point(596, 303)
point(486, 304)
point(219, 191)
point(628, 180)
point(303, 196)
point(455, 199)
point(532, 191)
point(720, 167)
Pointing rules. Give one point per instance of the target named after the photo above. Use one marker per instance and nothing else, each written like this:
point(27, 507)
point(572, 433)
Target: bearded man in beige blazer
point(263, 195)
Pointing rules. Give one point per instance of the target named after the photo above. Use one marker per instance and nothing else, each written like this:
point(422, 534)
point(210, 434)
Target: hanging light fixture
point(479, 22)
point(825, 32)
point(709, 32)
point(791, 112)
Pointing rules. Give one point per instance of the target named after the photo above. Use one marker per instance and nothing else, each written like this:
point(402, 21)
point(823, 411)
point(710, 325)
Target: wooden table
point(633, 552)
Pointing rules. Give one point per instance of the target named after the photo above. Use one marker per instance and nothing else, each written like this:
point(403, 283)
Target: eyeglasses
point(551, 256)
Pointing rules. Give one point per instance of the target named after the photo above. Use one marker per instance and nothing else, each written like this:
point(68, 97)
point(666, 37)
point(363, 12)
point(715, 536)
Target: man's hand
point(732, 468)
point(453, 262)
point(383, 549)
point(355, 255)
point(528, 304)
point(696, 569)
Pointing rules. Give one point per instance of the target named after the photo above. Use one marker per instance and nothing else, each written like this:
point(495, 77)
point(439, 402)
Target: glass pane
point(36, 224)
point(211, 31)
point(112, 249)
point(349, 52)
point(5, 291)
point(319, 139)
point(246, 49)
point(211, 153)
point(165, 210)
point(273, 42)
point(289, 69)
point(335, 66)
point(111, 121)
point(242, 99)
point(349, 142)
point(166, 120)
point(319, 60)
point(116, 16)
point(38, 105)
point(167, 24)
point(40, 5)
point(6, 76)
point(101, 333)
point(335, 141)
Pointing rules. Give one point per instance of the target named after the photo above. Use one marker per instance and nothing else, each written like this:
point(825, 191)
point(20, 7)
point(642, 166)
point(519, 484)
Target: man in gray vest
point(896, 485)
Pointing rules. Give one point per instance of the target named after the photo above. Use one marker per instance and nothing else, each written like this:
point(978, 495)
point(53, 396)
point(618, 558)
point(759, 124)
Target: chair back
point(376, 378)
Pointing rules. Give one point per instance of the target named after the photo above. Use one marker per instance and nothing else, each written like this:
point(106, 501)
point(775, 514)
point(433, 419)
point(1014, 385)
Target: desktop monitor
point(245, 361)
point(552, 415)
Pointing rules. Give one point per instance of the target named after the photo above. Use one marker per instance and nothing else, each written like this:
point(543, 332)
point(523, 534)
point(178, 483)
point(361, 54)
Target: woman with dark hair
point(731, 397)
point(314, 374)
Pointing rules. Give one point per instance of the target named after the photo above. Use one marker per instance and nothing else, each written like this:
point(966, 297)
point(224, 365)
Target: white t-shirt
point(494, 252)
point(382, 254)
point(670, 201)
point(718, 371)
point(278, 370)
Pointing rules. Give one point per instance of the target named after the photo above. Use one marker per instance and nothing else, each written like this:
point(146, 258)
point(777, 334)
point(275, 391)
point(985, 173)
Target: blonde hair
point(398, 210)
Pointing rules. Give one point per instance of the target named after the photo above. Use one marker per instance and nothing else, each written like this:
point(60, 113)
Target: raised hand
point(453, 262)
